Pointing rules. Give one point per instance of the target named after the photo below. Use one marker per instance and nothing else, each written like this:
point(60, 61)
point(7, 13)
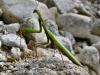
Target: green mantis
point(52, 37)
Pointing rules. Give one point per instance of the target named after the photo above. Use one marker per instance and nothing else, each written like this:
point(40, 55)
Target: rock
point(93, 38)
point(97, 46)
point(0, 12)
point(92, 72)
point(1, 26)
point(3, 73)
point(1, 66)
point(13, 40)
point(34, 24)
point(69, 35)
point(96, 28)
point(66, 5)
point(85, 8)
point(77, 50)
point(16, 11)
point(15, 52)
point(77, 25)
point(0, 43)
point(97, 67)
point(43, 9)
point(74, 11)
point(53, 13)
point(83, 11)
point(62, 57)
point(98, 12)
point(50, 53)
point(52, 26)
point(48, 66)
point(66, 42)
point(34, 71)
point(89, 55)
point(12, 28)
point(2, 58)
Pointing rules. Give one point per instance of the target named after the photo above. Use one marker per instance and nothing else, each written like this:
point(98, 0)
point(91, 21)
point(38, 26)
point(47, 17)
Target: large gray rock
point(78, 25)
point(13, 40)
point(93, 38)
point(66, 42)
point(68, 35)
point(52, 26)
point(97, 45)
point(53, 13)
point(15, 11)
point(43, 9)
point(63, 5)
point(97, 67)
point(12, 28)
point(96, 28)
point(34, 24)
point(89, 55)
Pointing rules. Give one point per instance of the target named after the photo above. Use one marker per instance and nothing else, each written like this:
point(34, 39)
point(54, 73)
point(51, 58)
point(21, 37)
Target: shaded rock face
point(16, 10)
point(96, 28)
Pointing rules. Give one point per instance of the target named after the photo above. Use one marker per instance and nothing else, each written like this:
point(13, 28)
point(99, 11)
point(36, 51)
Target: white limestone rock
point(97, 46)
point(52, 26)
point(43, 9)
point(77, 25)
point(93, 38)
point(66, 5)
point(96, 28)
point(16, 11)
point(69, 35)
point(66, 42)
point(15, 52)
point(12, 28)
point(13, 40)
point(53, 13)
point(2, 58)
point(89, 55)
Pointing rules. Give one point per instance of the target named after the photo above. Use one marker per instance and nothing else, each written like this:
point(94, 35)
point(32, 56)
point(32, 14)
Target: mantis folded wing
point(53, 38)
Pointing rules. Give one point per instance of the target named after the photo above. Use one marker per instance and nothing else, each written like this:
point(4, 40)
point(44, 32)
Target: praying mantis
point(52, 37)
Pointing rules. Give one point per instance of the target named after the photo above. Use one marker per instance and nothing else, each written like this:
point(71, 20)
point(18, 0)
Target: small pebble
point(15, 52)
point(2, 58)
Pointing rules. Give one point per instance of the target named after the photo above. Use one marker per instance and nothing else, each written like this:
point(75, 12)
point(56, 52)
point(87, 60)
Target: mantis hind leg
point(61, 56)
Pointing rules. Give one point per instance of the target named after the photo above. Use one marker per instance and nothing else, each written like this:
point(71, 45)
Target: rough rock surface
point(12, 28)
point(13, 9)
point(48, 66)
point(77, 25)
point(13, 40)
point(96, 28)
point(89, 55)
